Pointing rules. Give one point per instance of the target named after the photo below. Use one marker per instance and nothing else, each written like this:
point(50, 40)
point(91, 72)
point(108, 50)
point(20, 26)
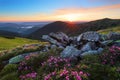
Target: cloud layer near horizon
point(80, 14)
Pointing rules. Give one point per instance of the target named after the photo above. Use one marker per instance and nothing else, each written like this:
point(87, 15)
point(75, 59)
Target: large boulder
point(92, 52)
point(89, 36)
point(60, 37)
point(88, 46)
point(51, 40)
point(113, 36)
point(21, 57)
point(16, 59)
point(70, 51)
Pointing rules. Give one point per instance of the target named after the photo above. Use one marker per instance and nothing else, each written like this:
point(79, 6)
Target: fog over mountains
point(22, 28)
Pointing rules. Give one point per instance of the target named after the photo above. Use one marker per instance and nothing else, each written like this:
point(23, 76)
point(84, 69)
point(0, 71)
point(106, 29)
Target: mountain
point(13, 27)
point(8, 34)
point(75, 28)
point(35, 23)
point(23, 28)
point(98, 25)
point(54, 27)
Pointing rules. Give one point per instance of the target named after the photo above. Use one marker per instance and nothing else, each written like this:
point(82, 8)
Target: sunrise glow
point(69, 10)
point(72, 17)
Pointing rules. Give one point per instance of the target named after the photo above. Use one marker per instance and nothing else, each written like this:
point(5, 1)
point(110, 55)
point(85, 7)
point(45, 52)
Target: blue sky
point(17, 8)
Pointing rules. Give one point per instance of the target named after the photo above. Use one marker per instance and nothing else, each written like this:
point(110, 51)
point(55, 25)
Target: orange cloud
point(112, 11)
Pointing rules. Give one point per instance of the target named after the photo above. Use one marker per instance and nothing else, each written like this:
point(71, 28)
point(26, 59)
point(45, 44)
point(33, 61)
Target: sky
point(53, 10)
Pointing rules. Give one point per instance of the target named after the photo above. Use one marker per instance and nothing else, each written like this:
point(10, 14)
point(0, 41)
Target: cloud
point(78, 10)
point(79, 14)
point(111, 11)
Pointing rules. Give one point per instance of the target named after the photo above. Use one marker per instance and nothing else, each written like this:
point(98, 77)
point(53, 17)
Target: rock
point(89, 36)
point(113, 36)
point(92, 52)
point(88, 46)
point(48, 38)
point(60, 37)
point(16, 59)
point(21, 57)
point(79, 37)
point(51, 40)
point(61, 47)
point(100, 50)
point(53, 46)
point(70, 51)
point(73, 40)
point(116, 44)
point(107, 42)
point(103, 37)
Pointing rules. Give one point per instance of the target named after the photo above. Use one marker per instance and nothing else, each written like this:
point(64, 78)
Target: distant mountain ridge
point(9, 34)
point(21, 28)
point(70, 28)
point(75, 29)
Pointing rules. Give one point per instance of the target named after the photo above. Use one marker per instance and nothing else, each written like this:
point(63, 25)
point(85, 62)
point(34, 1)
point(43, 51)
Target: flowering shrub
point(56, 68)
point(112, 57)
point(66, 74)
point(26, 71)
point(58, 62)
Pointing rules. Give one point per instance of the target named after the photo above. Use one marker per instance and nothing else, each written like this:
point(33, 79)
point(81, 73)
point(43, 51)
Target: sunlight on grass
point(6, 43)
point(114, 29)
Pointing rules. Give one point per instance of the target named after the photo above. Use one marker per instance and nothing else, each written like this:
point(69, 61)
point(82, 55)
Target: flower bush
point(112, 57)
point(66, 74)
point(49, 66)
point(53, 68)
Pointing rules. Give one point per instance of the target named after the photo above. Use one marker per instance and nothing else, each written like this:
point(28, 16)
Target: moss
point(10, 76)
point(8, 69)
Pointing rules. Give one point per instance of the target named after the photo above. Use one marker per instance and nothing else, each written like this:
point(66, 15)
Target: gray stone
point(92, 52)
point(100, 50)
point(16, 59)
point(89, 36)
point(60, 37)
point(21, 57)
point(103, 37)
point(51, 40)
point(53, 46)
point(88, 46)
point(79, 37)
point(107, 42)
point(70, 51)
point(89, 53)
point(113, 36)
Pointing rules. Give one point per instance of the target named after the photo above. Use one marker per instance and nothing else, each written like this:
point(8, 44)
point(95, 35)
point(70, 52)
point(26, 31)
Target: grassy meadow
point(6, 43)
point(114, 29)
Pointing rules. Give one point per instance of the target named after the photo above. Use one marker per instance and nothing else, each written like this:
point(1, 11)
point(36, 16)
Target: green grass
point(6, 43)
point(114, 29)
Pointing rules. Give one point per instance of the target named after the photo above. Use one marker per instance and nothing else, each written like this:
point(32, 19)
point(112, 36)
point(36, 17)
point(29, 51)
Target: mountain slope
point(57, 26)
point(8, 34)
point(113, 29)
point(98, 25)
point(75, 29)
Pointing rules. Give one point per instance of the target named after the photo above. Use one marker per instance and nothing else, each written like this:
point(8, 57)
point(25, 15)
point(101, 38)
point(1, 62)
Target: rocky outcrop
point(113, 36)
point(70, 51)
point(86, 43)
point(89, 36)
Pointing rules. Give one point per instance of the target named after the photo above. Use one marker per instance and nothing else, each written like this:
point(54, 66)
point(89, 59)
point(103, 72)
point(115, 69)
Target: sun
point(71, 17)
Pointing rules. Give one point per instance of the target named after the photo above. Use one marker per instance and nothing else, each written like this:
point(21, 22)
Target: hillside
point(57, 26)
point(8, 34)
point(114, 29)
point(6, 43)
point(75, 29)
